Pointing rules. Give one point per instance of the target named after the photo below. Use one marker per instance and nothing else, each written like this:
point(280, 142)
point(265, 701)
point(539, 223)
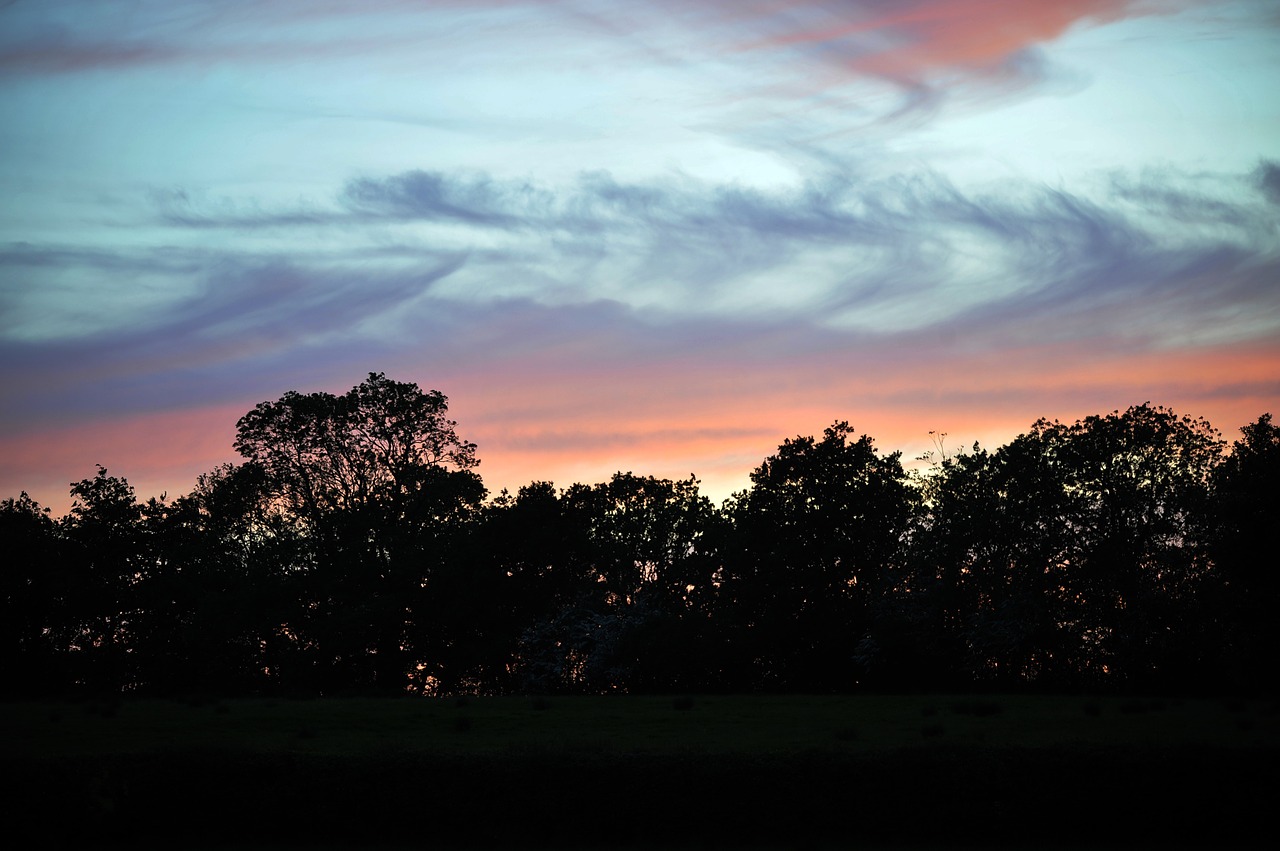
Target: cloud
point(475, 200)
point(766, 76)
point(908, 250)
point(246, 326)
point(87, 35)
point(960, 34)
point(26, 255)
point(1267, 178)
point(657, 313)
point(907, 44)
point(673, 318)
point(574, 393)
point(1166, 196)
point(930, 51)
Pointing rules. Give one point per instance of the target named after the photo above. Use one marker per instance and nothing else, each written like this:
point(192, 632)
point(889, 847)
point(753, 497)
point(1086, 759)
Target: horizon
point(938, 445)
point(659, 239)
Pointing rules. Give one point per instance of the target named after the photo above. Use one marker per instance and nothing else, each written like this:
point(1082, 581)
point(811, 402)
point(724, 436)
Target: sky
point(658, 237)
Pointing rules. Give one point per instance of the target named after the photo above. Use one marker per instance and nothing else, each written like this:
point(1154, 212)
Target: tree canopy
point(356, 550)
point(380, 440)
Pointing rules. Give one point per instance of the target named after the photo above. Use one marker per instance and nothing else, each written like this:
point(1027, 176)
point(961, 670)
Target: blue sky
point(657, 237)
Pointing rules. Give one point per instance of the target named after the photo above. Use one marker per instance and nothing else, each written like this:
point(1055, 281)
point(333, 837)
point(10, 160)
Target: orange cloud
point(941, 33)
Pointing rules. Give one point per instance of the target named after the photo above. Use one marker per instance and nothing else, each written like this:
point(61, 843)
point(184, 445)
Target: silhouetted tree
point(322, 453)
point(1142, 478)
point(380, 481)
point(34, 624)
point(107, 561)
point(528, 562)
point(814, 540)
point(1246, 505)
point(424, 581)
point(1074, 554)
point(353, 551)
point(643, 535)
point(628, 587)
point(997, 533)
point(655, 544)
point(219, 593)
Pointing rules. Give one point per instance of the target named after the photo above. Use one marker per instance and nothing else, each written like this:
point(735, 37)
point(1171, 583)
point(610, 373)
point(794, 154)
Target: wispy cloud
point(911, 45)
point(671, 234)
point(1150, 266)
point(87, 35)
point(930, 52)
point(240, 329)
point(908, 250)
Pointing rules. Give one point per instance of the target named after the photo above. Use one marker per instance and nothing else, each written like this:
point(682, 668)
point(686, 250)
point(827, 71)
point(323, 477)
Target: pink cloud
point(925, 49)
point(555, 417)
point(930, 34)
point(719, 423)
point(949, 33)
point(893, 40)
point(157, 453)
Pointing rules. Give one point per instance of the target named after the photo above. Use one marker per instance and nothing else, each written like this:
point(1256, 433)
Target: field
point(644, 772)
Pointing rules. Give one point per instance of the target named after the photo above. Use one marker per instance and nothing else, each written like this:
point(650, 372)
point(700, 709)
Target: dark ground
point(514, 774)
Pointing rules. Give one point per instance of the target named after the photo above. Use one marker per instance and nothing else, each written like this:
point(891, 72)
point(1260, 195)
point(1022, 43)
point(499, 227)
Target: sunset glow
point(657, 237)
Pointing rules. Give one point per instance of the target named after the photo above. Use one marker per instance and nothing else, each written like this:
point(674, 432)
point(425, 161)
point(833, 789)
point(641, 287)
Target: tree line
point(355, 550)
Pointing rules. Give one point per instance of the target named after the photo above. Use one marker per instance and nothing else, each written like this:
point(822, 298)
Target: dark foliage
point(815, 542)
point(354, 551)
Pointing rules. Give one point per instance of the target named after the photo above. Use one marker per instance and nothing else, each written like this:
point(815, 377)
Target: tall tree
point(380, 481)
point(34, 591)
point(1074, 554)
point(108, 561)
point(1141, 479)
point(815, 537)
point(617, 578)
point(323, 452)
point(218, 595)
point(1246, 505)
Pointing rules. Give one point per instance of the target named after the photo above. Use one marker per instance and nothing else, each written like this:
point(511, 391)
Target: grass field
point(630, 724)
point(662, 772)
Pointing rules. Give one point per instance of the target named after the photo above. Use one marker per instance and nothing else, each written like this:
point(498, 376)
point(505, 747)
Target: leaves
point(354, 551)
point(323, 453)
